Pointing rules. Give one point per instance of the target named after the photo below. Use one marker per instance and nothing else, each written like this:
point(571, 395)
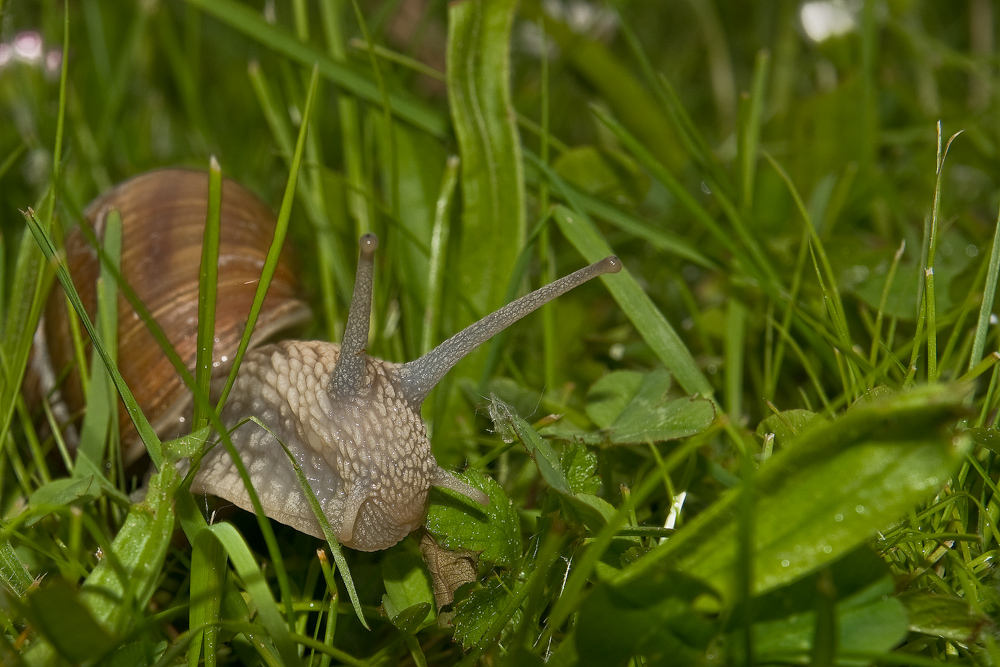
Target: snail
point(351, 421)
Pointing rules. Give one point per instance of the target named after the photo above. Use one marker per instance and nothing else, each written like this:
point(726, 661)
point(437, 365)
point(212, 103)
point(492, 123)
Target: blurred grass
point(757, 184)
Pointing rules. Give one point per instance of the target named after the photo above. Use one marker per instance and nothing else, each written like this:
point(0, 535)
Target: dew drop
point(860, 509)
point(838, 517)
point(827, 549)
point(785, 563)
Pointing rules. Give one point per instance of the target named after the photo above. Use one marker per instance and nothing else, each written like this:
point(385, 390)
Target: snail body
point(351, 421)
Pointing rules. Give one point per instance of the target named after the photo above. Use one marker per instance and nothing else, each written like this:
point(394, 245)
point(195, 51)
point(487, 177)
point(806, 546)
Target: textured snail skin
point(367, 458)
point(352, 422)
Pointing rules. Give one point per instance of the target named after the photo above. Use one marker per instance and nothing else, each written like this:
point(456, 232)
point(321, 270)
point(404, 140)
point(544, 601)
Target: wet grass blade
point(645, 316)
point(207, 285)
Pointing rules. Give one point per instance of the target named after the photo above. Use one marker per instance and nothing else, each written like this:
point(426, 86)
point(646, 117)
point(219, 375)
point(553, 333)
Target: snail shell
point(351, 421)
point(163, 222)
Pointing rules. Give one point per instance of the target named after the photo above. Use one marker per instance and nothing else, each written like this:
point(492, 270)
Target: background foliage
point(771, 439)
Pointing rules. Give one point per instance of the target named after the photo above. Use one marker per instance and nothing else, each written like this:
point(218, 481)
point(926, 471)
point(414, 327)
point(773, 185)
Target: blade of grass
point(736, 330)
point(334, 275)
point(324, 523)
point(786, 320)
point(749, 131)
point(149, 438)
point(931, 309)
point(889, 278)
point(207, 284)
point(492, 172)
point(989, 294)
point(208, 578)
point(331, 612)
point(249, 22)
point(281, 229)
point(255, 584)
point(436, 263)
point(645, 316)
point(102, 402)
point(350, 125)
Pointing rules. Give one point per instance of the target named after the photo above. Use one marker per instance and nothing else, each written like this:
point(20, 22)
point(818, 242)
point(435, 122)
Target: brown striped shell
point(163, 220)
point(352, 422)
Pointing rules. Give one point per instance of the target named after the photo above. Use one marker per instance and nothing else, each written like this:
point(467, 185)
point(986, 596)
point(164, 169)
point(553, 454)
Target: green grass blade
point(331, 538)
point(146, 433)
point(647, 319)
point(102, 401)
point(273, 253)
point(436, 263)
point(735, 344)
point(242, 18)
point(989, 294)
point(255, 584)
point(207, 285)
point(929, 295)
point(334, 274)
point(749, 131)
point(208, 578)
point(492, 173)
point(824, 269)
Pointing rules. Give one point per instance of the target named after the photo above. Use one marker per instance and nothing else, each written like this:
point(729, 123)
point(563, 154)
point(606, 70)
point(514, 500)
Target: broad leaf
point(493, 531)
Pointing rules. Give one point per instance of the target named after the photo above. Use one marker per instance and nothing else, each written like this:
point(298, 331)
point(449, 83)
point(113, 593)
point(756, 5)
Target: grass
point(771, 439)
